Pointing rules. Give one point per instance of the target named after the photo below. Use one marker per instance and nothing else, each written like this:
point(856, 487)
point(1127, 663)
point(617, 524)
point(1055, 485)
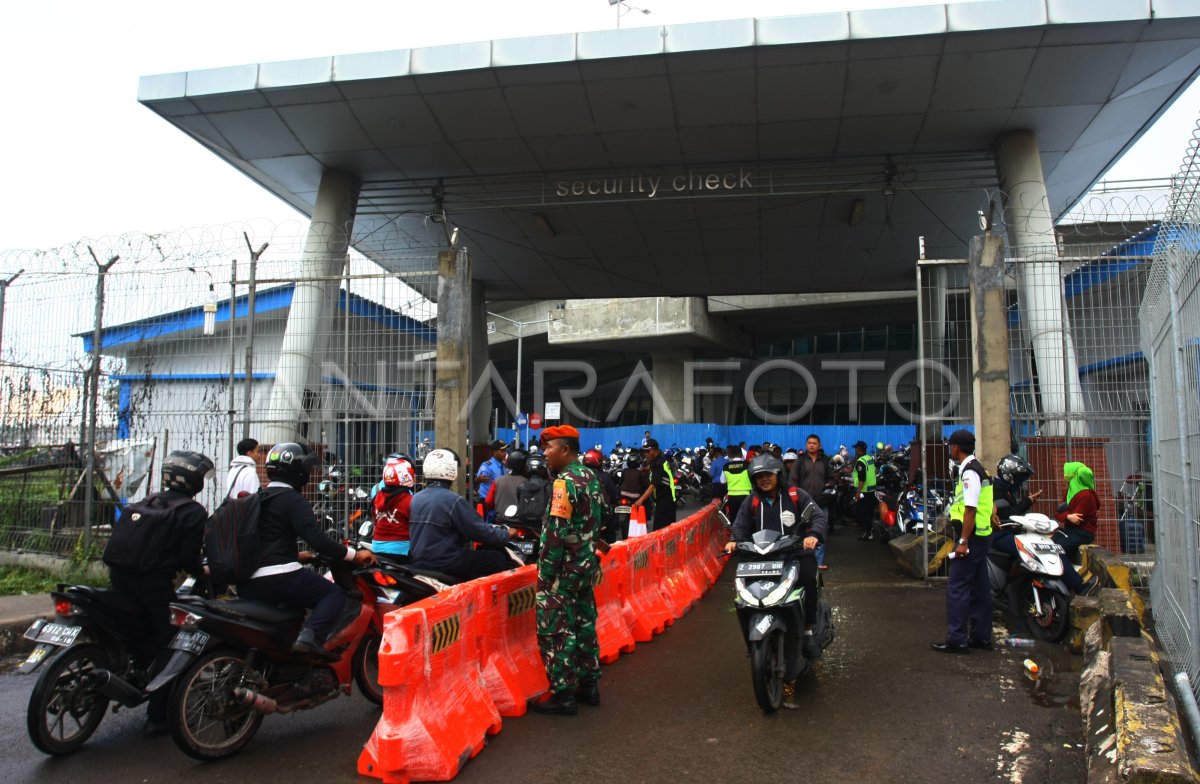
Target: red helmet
point(593, 459)
point(398, 473)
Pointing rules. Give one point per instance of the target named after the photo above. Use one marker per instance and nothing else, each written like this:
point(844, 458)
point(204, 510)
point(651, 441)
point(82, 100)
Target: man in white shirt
point(243, 470)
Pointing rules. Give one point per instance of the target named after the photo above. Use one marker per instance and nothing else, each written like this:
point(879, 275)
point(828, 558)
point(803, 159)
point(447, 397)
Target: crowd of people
point(569, 498)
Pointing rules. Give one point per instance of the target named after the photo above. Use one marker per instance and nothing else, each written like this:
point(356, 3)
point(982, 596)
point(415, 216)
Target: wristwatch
point(962, 541)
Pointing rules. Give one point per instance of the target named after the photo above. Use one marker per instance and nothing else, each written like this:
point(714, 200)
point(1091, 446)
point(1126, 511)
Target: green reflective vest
point(737, 478)
point(983, 512)
point(869, 484)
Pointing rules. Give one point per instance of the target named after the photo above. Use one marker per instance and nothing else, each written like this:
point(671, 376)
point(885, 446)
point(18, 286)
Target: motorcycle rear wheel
point(766, 670)
point(366, 667)
point(64, 709)
point(206, 721)
point(1054, 621)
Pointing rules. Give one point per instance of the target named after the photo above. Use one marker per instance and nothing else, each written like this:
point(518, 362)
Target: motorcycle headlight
point(739, 586)
point(785, 585)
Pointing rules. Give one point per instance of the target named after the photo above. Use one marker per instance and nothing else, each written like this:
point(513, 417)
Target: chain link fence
point(1170, 330)
point(1079, 382)
point(184, 334)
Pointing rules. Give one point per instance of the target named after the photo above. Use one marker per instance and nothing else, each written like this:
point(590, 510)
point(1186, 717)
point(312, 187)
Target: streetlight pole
point(520, 325)
point(4, 284)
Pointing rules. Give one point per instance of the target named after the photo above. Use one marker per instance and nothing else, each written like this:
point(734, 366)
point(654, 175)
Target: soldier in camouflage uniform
point(568, 569)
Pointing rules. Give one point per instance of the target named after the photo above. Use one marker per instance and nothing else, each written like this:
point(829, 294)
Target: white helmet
point(441, 464)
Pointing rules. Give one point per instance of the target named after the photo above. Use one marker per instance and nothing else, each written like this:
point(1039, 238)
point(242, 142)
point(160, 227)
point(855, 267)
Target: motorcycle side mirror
point(366, 528)
point(360, 494)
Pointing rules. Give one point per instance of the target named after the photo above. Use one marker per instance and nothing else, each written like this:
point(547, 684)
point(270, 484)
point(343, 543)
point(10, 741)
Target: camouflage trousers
point(566, 634)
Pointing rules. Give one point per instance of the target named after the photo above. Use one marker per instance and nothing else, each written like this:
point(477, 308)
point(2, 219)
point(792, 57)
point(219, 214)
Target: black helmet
point(290, 463)
point(184, 471)
point(1014, 470)
point(765, 464)
point(633, 460)
point(536, 466)
point(516, 461)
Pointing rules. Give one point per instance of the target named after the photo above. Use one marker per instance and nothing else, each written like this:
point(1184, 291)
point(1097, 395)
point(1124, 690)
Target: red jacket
point(1086, 503)
point(391, 516)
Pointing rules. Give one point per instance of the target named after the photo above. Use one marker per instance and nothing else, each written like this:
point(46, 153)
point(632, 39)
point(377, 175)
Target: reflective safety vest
point(669, 470)
point(869, 483)
point(983, 512)
point(737, 478)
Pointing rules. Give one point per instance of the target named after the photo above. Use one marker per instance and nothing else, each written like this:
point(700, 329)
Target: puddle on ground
point(1056, 684)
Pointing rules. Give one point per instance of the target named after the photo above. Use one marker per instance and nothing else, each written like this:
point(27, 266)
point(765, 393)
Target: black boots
point(588, 693)
point(561, 704)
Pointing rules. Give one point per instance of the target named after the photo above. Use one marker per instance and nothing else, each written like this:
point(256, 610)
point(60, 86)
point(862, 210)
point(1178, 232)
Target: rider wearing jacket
point(285, 517)
point(785, 508)
point(442, 524)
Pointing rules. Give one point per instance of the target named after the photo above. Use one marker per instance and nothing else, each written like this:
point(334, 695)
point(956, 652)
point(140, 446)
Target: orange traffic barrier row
point(612, 631)
point(436, 714)
point(511, 669)
point(452, 665)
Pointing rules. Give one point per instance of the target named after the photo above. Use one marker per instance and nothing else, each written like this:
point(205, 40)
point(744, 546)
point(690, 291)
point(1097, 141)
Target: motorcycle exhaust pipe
point(259, 702)
point(117, 688)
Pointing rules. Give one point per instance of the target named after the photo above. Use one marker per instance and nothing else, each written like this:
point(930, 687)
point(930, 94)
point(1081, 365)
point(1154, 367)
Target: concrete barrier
point(1133, 731)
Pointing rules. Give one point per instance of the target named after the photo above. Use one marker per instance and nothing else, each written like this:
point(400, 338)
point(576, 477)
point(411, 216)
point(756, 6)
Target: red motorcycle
point(233, 664)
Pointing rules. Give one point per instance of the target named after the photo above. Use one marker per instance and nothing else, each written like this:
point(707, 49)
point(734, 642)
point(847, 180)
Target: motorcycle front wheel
point(766, 669)
point(206, 721)
point(1053, 621)
point(65, 708)
point(366, 667)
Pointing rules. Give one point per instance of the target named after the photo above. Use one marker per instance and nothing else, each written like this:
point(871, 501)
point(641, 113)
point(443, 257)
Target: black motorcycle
point(89, 655)
point(770, 609)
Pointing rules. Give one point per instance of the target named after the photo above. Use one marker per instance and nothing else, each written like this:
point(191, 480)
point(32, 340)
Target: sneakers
point(868, 536)
point(588, 693)
point(789, 696)
point(307, 643)
point(823, 567)
point(558, 705)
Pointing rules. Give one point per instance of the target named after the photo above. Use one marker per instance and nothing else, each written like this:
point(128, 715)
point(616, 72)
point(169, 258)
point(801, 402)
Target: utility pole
point(89, 466)
point(249, 369)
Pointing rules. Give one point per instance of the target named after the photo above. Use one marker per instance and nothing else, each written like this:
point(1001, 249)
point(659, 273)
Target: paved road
point(880, 707)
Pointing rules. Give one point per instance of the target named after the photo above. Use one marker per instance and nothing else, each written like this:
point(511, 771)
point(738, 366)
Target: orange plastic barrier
point(511, 667)
point(645, 609)
point(453, 664)
point(678, 588)
point(435, 712)
point(612, 631)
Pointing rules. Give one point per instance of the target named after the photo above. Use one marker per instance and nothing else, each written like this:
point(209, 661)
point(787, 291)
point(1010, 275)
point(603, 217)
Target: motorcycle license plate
point(1041, 547)
point(192, 642)
point(52, 633)
point(760, 569)
point(525, 548)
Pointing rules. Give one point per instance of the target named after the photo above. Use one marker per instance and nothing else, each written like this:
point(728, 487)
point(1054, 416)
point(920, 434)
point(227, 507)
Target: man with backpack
point(780, 506)
point(503, 493)
point(243, 471)
point(285, 516)
point(154, 540)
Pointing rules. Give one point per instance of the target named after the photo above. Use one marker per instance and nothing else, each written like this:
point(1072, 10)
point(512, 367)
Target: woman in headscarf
point(1082, 511)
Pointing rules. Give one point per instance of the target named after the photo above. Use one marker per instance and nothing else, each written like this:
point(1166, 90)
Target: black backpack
point(533, 498)
point(231, 538)
point(143, 536)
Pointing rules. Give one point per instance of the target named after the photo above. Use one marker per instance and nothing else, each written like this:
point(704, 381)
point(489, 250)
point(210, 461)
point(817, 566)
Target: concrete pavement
point(16, 613)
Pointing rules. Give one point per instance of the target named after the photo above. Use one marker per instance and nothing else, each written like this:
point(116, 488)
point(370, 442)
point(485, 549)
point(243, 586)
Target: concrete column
point(989, 349)
point(480, 421)
point(452, 381)
point(324, 253)
point(1031, 233)
point(666, 370)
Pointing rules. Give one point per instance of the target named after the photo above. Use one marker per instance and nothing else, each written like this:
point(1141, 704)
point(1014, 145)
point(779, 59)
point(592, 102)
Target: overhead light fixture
point(544, 224)
point(210, 312)
point(856, 212)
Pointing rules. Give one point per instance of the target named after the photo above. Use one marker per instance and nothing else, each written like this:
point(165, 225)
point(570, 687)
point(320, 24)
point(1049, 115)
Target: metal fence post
point(89, 470)
point(250, 305)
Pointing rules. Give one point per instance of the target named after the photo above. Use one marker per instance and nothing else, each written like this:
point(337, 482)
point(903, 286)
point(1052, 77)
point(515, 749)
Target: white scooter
point(1031, 585)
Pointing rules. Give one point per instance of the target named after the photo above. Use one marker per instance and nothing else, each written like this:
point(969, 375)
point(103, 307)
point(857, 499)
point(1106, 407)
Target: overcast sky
point(86, 160)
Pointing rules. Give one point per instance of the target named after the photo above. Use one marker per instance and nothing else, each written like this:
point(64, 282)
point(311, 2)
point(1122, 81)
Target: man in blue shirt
point(491, 471)
point(716, 469)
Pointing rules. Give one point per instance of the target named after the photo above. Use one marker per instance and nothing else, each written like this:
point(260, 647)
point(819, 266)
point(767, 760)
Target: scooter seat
point(439, 576)
point(255, 611)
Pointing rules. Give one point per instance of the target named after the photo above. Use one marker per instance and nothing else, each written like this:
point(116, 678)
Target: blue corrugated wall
point(690, 435)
